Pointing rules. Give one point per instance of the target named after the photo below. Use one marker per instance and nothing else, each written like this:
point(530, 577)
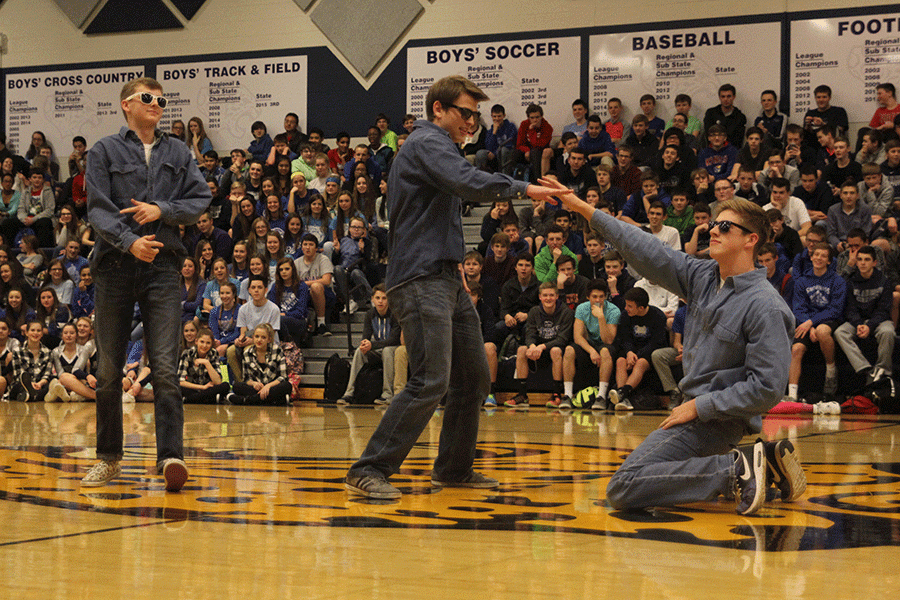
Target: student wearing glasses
point(141, 186)
point(737, 344)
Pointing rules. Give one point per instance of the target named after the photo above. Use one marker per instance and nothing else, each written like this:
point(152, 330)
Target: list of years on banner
point(852, 55)
point(230, 95)
point(514, 74)
point(692, 61)
point(65, 104)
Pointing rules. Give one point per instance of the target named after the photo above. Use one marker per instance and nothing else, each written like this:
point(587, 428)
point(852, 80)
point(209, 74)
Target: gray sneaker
point(102, 473)
point(371, 486)
point(474, 481)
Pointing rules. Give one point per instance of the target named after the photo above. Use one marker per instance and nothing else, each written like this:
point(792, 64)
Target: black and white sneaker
point(750, 478)
point(784, 469)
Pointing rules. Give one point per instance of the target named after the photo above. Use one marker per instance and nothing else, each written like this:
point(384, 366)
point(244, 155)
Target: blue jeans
point(446, 359)
point(354, 279)
point(690, 462)
point(121, 280)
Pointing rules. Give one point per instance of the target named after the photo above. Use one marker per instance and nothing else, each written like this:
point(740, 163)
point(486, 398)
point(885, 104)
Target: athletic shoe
point(127, 398)
point(382, 401)
point(750, 478)
point(875, 374)
point(353, 306)
point(784, 469)
point(473, 481)
point(555, 400)
point(231, 398)
point(175, 473)
point(59, 391)
point(323, 330)
point(76, 397)
point(675, 398)
point(565, 402)
point(371, 486)
point(26, 392)
point(517, 401)
point(343, 401)
point(619, 399)
point(101, 473)
point(830, 388)
point(490, 401)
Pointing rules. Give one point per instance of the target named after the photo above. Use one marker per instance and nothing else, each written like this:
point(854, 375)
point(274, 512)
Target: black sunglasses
point(724, 226)
point(465, 113)
point(148, 98)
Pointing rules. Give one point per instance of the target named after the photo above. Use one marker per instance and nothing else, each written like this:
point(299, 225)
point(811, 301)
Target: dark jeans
point(294, 330)
point(121, 280)
point(207, 396)
point(446, 359)
point(279, 394)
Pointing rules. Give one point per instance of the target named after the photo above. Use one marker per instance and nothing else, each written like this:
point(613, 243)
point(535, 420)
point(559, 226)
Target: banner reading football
point(851, 55)
point(64, 104)
point(230, 95)
point(514, 73)
point(685, 61)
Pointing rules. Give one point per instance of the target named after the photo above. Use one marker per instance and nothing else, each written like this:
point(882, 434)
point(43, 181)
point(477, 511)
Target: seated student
point(198, 372)
point(83, 298)
point(617, 129)
point(257, 311)
point(818, 306)
point(873, 193)
point(770, 121)
point(752, 154)
point(473, 264)
point(68, 359)
point(665, 358)
point(698, 236)
point(499, 265)
point(825, 153)
point(802, 265)
point(382, 153)
point(571, 287)
point(36, 207)
point(572, 238)
point(661, 298)
point(17, 314)
point(597, 144)
point(316, 270)
point(219, 278)
point(625, 175)
point(642, 142)
point(8, 345)
point(683, 107)
point(847, 215)
point(591, 265)
point(223, 318)
point(257, 267)
point(815, 194)
point(488, 331)
point(211, 168)
point(560, 163)
point(778, 277)
point(291, 295)
point(845, 263)
point(262, 141)
point(517, 245)
point(380, 338)
point(792, 208)
point(888, 107)
point(635, 210)
point(748, 188)
point(535, 221)
point(842, 168)
point(32, 368)
point(614, 196)
point(680, 215)
point(534, 136)
point(545, 261)
point(31, 258)
point(868, 316)
point(517, 297)
point(688, 143)
point(789, 240)
point(719, 157)
point(642, 329)
point(548, 330)
point(264, 377)
point(490, 224)
point(499, 143)
point(618, 279)
point(323, 173)
point(664, 233)
point(797, 152)
point(655, 125)
point(52, 315)
point(668, 167)
point(872, 149)
point(777, 167)
point(824, 114)
point(576, 174)
point(357, 264)
point(890, 168)
point(593, 334)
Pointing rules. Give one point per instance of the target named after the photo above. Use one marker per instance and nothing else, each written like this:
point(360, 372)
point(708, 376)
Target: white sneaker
point(353, 306)
point(59, 391)
point(51, 395)
point(127, 398)
point(102, 473)
point(73, 397)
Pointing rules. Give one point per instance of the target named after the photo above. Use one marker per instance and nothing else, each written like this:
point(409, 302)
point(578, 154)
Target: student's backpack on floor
point(369, 382)
point(337, 375)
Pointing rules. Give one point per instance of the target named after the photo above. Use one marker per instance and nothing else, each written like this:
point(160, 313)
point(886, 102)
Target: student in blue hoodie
point(719, 157)
point(818, 306)
point(499, 142)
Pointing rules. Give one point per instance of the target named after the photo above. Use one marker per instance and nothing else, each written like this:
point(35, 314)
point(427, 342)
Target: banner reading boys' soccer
point(851, 55)
point(512, 73)
point(690, 61)
point(63, 104)
point(230, 95)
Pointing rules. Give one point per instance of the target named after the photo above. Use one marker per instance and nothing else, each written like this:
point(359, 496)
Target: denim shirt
point(737, 339)
point(117, 171)
point(427, 180)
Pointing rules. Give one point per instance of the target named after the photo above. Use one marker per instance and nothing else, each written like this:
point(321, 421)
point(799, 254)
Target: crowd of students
point(295, 226)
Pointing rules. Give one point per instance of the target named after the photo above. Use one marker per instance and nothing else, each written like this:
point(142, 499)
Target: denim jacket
point(117, 172)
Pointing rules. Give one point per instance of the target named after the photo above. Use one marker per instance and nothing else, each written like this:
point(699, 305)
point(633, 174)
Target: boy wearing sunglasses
point(141, 185)
point(736, 355)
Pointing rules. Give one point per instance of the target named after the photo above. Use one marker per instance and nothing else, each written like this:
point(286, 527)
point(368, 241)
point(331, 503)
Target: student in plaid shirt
point(265, 379)
point(31, 366)
point(198, 372)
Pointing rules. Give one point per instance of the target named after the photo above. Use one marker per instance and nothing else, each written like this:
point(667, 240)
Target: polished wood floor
point(264, 514)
